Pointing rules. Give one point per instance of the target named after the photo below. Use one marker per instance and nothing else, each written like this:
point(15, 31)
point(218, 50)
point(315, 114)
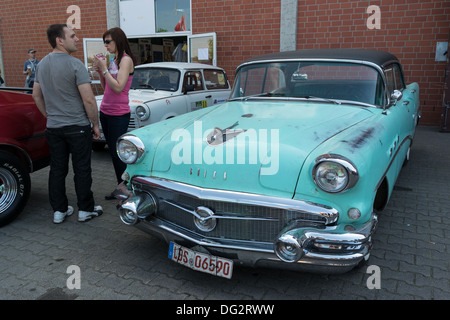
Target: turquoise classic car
point(289, 173)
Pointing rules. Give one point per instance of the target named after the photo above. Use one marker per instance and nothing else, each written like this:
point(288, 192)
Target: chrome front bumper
point(319, 245)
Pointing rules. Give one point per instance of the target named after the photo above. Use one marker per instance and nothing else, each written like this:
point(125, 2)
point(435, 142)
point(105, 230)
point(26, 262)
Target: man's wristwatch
point(105, 72)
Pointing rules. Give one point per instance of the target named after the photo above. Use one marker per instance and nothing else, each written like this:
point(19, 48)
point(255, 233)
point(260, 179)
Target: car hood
point(266, 144)
point(138, 97)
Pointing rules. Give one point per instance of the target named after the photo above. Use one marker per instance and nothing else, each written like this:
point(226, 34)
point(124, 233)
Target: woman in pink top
point(116, 81)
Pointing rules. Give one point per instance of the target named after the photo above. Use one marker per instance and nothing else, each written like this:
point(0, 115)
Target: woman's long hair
point(122, 45)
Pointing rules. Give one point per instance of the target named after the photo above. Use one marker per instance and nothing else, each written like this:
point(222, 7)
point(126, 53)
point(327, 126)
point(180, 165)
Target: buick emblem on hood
point(218, 136)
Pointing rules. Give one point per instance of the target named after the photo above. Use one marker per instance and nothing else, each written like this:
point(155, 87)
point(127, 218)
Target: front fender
point(12, 146)
point(375, 148)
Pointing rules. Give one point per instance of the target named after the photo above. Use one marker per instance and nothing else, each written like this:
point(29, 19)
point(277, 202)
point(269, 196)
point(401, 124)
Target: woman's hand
point(100, 64)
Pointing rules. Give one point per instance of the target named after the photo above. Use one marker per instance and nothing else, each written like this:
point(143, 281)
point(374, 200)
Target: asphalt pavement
point(106, 260)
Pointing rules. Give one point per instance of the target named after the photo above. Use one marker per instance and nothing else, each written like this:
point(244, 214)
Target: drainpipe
point(288, 25)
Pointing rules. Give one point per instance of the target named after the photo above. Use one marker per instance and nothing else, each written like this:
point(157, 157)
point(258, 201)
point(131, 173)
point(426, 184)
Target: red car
point(23, 149)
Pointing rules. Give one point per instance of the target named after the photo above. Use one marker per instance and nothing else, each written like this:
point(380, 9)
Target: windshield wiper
point(322, 99)
point(265, 94)
point(145, 86)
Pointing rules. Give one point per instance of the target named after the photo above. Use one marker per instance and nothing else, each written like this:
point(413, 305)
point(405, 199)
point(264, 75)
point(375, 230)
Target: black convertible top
point(374, 56)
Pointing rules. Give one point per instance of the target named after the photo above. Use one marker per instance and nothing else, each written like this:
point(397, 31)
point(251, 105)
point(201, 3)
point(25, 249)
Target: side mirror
point(395, 96)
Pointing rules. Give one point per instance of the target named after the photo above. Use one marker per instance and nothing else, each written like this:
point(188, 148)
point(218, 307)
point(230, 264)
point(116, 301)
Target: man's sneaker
point(86, 215)
point(58, 216)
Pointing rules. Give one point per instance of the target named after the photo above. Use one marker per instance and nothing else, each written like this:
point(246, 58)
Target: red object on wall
point(181, 25)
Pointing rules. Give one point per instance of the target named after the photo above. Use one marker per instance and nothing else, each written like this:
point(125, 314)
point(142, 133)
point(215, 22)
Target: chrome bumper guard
point(310, 246)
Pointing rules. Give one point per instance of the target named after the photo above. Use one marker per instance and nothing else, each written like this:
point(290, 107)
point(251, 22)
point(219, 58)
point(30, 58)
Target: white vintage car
point(163, 90)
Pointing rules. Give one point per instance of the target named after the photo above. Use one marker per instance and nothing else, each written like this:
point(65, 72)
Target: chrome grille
point(132, 124)
point(234, 220)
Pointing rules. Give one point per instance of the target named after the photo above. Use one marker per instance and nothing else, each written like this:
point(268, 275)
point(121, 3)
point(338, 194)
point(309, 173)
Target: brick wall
point(24, 24)
point(409, 29)
point(245, 28)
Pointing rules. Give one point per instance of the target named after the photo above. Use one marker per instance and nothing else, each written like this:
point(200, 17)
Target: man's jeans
point(75, 140)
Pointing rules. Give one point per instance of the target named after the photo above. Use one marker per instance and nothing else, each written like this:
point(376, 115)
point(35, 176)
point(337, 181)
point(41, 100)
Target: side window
point(398, 78)
point(394, 78)
point(193, 79)
point(215, 79)
point(389, 72)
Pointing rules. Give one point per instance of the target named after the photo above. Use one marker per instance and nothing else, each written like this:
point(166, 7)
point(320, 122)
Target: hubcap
point(8, 189)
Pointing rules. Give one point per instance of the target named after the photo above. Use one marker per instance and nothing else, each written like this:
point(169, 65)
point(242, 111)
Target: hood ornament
point(218, 136)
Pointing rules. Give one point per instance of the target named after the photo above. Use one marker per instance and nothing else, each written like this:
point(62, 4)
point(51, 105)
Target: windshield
point(156, 79)
point(311, 79)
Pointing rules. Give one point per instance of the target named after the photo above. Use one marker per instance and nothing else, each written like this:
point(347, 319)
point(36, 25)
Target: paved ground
point(411, 248)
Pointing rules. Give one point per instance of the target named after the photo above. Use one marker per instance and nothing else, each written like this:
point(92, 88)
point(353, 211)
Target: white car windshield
point(309, 79)
point(156, 79)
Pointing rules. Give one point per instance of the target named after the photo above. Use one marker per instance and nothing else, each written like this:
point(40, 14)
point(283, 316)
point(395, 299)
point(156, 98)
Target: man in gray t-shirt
point(65, 107)
point(62, 92)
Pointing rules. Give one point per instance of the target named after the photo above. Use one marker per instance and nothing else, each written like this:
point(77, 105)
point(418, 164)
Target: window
point(394, 78)
point(311, 79)
point(142, 18)
point(173, 15)
point(390, 79)
point(193, 79)
point(399, 84)
point(215, 79)
point(155, 78)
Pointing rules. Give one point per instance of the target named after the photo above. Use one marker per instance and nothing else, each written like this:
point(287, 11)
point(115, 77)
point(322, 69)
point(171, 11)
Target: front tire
point(14, 187)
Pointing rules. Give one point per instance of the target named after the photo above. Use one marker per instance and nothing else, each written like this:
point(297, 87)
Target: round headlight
point(331, 177)
point(142, 112)
point(130, 149)
point(334, 174)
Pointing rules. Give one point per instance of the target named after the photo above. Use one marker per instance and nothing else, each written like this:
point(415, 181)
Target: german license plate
point(200, 261)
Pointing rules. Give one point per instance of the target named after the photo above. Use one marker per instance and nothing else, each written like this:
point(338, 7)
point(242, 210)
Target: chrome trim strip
point(392, 160)
point(318, 99)
point(330, 214)
point(255, 253)
point(216, 216)
point(227, 243)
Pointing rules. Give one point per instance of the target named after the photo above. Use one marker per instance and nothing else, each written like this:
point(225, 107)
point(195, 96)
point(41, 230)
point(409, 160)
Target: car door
point(401, 113)
point(217, 86)
point(194, 90)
